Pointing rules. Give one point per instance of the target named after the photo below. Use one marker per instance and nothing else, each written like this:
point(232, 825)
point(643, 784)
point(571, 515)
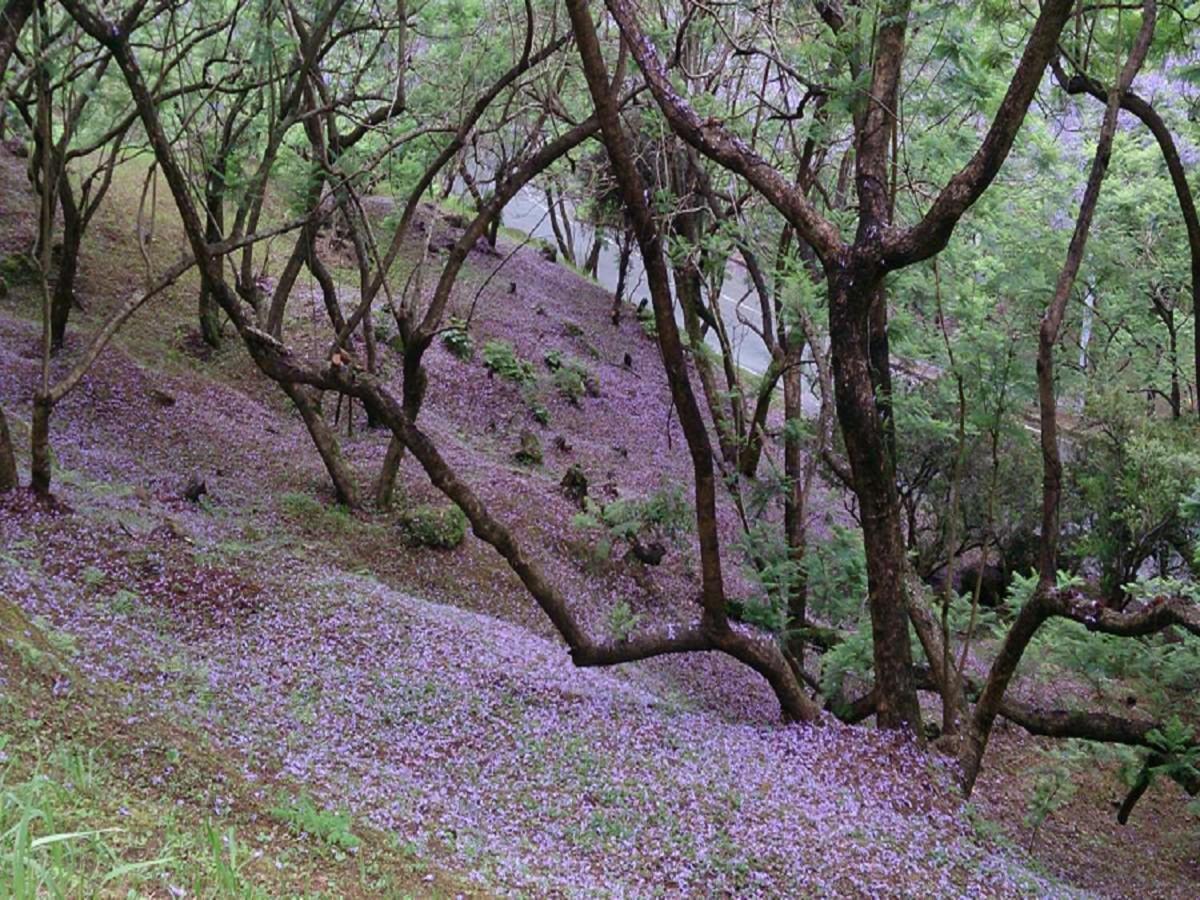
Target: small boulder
point(650, 554)
point(549, 254)
point(575, 484)
point(161, 397)
point(195, 489)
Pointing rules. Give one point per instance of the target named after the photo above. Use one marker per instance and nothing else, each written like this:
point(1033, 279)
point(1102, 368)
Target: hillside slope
point(421, 689)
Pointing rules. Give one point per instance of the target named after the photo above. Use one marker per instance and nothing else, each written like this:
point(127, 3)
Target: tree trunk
point(214, 229)
point(39, 446)
point(8, 459)
point(794, 525)
point(385, 485)
point(687, 292)
point(326, 443)
point(851, 291)
point(625, 251)
point(68, 267)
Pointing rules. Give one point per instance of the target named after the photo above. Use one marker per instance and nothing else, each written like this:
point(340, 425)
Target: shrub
point(664, 515)
point(501, 358)
point(622, 621)
point(458, 341)
point(442, 528)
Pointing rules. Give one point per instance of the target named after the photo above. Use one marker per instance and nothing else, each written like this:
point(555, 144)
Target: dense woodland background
point(335, 481)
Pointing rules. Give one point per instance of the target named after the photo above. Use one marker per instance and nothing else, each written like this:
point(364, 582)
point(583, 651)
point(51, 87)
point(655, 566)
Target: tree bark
point(8, 458)
point(326, 443)
point(39, 445)
point(850, 295)
point(68, 267)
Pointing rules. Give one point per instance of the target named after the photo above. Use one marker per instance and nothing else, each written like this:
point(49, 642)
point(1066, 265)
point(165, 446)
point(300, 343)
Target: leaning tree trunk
point(851, 291)
point(326, 443)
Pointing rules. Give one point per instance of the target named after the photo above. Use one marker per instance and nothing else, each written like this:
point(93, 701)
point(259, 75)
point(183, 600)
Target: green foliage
point(836, 573)
point(645, 317)
point(311, 511)
point(1132, 479)
point(853, 656)
point(622, 621)
point(771, 568)
point(330, 826)
point(1053, 787)
point(442, 528)
point(665, 514)
point(458, 341)
point(501, 358)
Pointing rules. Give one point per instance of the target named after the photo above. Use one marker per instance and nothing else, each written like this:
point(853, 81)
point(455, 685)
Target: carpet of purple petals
point(476, 739)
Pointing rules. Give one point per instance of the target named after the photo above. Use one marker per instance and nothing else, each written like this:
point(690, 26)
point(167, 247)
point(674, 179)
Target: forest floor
point(354, 716)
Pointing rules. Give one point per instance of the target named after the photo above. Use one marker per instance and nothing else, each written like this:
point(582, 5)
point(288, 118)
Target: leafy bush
point(458, 341)
point(442, 528)
point(664, 515)
point(837, 577)
point(571, 377)
point(501, 358)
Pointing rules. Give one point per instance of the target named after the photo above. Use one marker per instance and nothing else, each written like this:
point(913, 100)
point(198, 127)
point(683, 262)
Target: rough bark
point(878, 501)
point(326, 444)
point(8, 459)
point(68, 267)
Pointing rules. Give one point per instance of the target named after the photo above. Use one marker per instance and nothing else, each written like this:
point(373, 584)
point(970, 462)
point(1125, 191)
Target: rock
point(161, 397)
point(650, 554)
point(530, 450)
point(575, 484)
point(195, 489)
point(549, 254)
point(628, 361)
point(454, 220)
point(562, 445)
point(512, 287)
point(621, 451)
